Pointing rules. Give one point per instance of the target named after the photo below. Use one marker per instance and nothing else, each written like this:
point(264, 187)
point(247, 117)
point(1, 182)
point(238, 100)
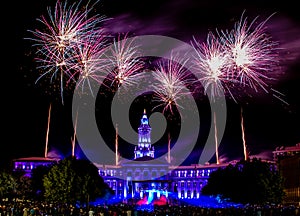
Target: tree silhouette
point(253, 182)
point(74, 180)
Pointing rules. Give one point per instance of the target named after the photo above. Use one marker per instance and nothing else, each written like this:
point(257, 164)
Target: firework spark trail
point(216, 138)
point(279, 96)
point(252, 54)
point(47, 134)
point(73, 139)
point(65, 29)
point(125, 61)
point(210, 62)
point(243, 136)
point(170, 87)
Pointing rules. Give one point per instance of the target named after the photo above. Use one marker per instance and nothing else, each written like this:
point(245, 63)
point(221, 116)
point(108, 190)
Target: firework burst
point(246, 56)
point(125, 61)
point(251, 54)
point(209, 62)
point(170, 87)
point(64, 30)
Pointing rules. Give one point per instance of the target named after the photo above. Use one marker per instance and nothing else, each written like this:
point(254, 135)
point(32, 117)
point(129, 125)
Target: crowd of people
point(45, 209)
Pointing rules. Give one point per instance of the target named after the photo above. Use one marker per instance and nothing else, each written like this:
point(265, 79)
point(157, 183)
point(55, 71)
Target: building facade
point(138, 179)
point(288, 163)
point(29, 163)
point(129, 180)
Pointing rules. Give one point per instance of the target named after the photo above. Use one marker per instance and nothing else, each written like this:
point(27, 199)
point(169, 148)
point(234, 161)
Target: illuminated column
point(125, 190)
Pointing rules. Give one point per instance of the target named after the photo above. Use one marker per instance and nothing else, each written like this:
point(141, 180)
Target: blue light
point(144, 120)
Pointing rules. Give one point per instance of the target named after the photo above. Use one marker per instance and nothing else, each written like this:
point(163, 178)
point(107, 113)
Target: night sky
point(269, 122)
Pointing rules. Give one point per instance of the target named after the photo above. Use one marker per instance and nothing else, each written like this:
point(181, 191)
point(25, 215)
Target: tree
point(8, 185)
point(253, 182)
point(37, 176)
point(90, 184)
point(73, 180)
point(24, 187)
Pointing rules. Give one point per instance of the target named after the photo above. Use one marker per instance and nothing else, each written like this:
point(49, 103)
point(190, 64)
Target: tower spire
point(144, 147)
